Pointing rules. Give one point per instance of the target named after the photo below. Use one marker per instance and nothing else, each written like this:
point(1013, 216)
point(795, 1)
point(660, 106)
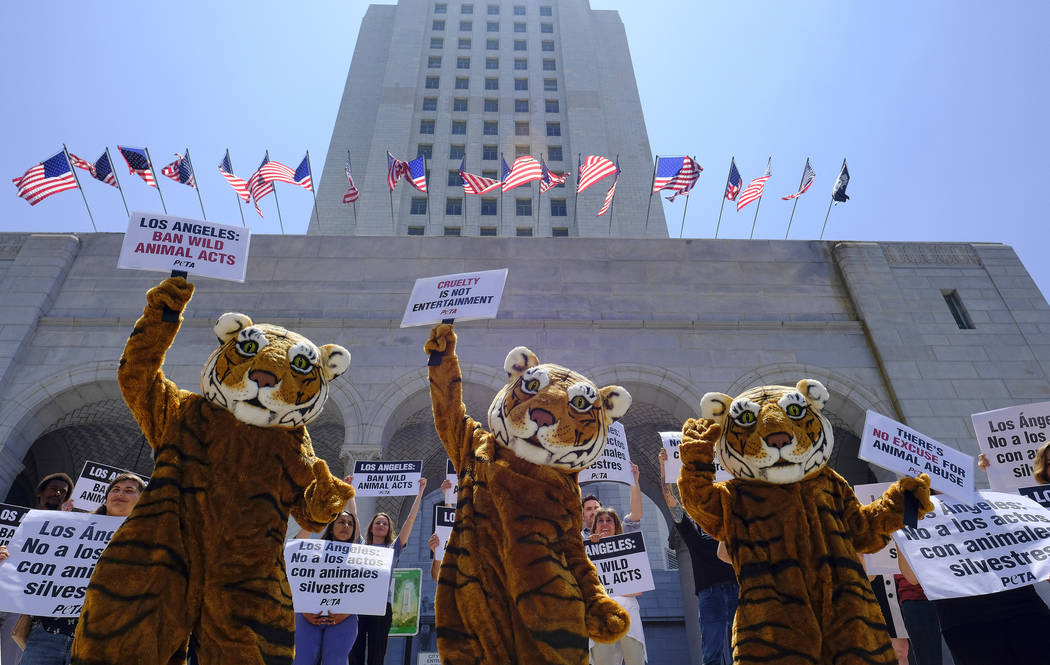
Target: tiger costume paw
point(606, 620)
point(699, 436)
point(173, 293)
point(327, 495)
point(920, 489)
point(442, 339)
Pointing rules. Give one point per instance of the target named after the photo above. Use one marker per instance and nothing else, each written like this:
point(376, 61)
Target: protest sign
point(53, 554)
point(622, 564)
point(466, 296)
point(10, 516)
point(90, 490)
point(161, 242)
point(883, 562)
point(452, 477)
point(428, 658)
point(1010, 438)
point(408, 582)
point(341, 578)
point(1038, 493)
point(897, 447)
point(444, 520)
point(999, 542)
point(615, 463)
point(673, 466)
point(387, 478)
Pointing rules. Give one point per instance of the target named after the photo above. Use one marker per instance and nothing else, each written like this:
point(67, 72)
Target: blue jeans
point(717, 606)
point(44, 648)
point(331, 644)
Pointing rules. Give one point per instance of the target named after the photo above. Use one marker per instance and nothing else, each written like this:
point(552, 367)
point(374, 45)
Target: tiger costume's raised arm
point(702, 499)
point(323, 498)
point(870, 525)
point(152, 398)
point(456, 429)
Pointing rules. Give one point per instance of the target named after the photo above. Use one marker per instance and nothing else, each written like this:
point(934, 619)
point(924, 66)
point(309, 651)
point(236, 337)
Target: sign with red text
point(673, 466)
point(90, 490)
point(341, 578)
point(387, 478)
point(615, 463)
point(897, 447)
point(464, 297)
point(883, 562)
point(161, 242)
point(1010, 438)
point(623, 566)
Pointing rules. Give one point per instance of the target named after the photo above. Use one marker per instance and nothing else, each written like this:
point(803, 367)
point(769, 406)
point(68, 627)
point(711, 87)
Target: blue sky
point(940, 108)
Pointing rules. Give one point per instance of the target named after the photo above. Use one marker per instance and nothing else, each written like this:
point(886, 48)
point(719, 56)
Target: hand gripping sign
point(465, 296)
point(166, 243)
point(883, 562)
point(444, 521)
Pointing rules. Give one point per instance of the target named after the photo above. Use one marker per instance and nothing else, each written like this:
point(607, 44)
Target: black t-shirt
point(991, 608)
point(708, 569)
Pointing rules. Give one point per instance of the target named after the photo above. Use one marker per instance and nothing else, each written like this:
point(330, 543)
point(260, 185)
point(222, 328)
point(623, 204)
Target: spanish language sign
point(90, 490)
point(161, 242)
point(408, 582)
point(387, 478)
point(883, 562)
point(444, 520)
point(615, 463)
point(1010, 438)
point(622, 564)
point(342, 578)
point(897, 447)
point(452, 477)
point(673, 466)
point(1002, 541)
point(53, 554)
point(467, 296)
point(10, 516)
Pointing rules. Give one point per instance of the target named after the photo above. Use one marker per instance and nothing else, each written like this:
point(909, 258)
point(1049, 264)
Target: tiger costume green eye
point(248, 347)
point(795, 411)
point(531, 386)
point(746, 419)
point(580, 403)
point(301, 363)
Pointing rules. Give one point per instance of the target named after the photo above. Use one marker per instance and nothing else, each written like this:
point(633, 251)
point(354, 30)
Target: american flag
point(525, 170)
point(180, 171)
point(416, 172)
point(550, 180)
point(475, 184)
point(395, 169)
point(352, 194)
point(753, 191)
point(259, 186)
point(138, 164)
point(838, 193)
point(611, 193)
point(807, 179)
point(678, 174)
point(594, 168)
point(51, 176)
point(733, 182)
point(99, 170)
point(506, 169)
point(302, 175)
point(238, 184)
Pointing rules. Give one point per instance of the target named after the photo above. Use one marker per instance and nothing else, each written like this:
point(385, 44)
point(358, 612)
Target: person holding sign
point(1040, 464)
point(629, 649)
point(373, 631)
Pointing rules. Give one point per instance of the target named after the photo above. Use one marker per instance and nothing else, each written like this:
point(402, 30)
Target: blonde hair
point(1039, 465)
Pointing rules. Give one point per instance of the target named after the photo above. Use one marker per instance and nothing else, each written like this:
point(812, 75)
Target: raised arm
point(636, 496)
point(413, 512)
point(322, 500)
point(703, 499)
point(454, 426)
point(871, 525)
point(153, 399)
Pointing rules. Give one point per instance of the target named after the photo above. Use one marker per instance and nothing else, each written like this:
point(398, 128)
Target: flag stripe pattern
point(180, 171)
point(352, 194)
point(525, 170)
point(550, 180)
point(593, 169)
point(416, 172)
point(138, 164)
point(609, 196)
point(475, 184)
point(733, 182)
point(753, 191)
point(100, 170)
point(259, 186)
point(302, 175)
point(51, 176)
point(238, 184)
point(395, 169)
point(807, 179)
point(678, 174)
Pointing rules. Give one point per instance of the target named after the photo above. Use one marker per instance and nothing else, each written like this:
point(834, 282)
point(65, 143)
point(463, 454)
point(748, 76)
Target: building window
point(519, 27)
point(521, 106)
point(452, 230)
point(438, 24)
point(426, 150)
point(491, 63)
point(441, 8)
point(493, 10)
point(489, 152)
point(519, 10)
point(430, 103)
point(415, 230)
point(523, 207)
point(547, 45)
point(490, 128)
point(553, 129)
point(955, 306)
point(434, 62)
point(457, 152)
point(521, 63)
point(466, 26)
point(464, 42)
point(454, 179)
point(460, 104)
point(521, 151)
point(491, 105)
point(559, 232)
point(492, 84)
point(545, 11)
point(453, 206)
point(558, 208)
point(554, 153)
point(552, 106)
point(462, 83)
point(548, 65)
point(463, 62)
point(488, 230)
point(437, 42)
point(492, 44)
point(521, 129)
point(492, 26)
point(488, 208)
point(524, 232)
point(432, 82)
point(426, 126)
point(419, 207)
point(521, 84)
point(550, 85)
point(459, 127)
point(491, 175)
point(466, 9)
point(520, 45)
point(547, 27)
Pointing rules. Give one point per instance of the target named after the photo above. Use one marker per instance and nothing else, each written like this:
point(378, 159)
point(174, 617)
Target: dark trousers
point(1013, 641)
point(372, 633)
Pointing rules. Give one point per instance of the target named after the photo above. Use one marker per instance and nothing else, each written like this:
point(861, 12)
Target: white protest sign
point(464, 297)
point(1002, 541)
point(622, 564)
point(10, 516)
point(615, 463)
point(897, 447)
point(1010, 438)
point(90, 490)
point(387, 478)
point(162, 242)
point(428, 658)
point(444, 520)
point(452, 477)
point(342, 578)
point(673, 466)
point(53, 554)
point(883, 562)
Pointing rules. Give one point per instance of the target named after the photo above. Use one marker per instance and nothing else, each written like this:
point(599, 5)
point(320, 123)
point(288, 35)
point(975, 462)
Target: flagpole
point(113, 170)
point(755, 220)
point(536, 217)
point(826, 219)
point(501, 176)
point(576, 200)
point(193, 172)
point(277, 203)
point(72, 170)
point(612, 210)
point(156, 180)
point(239, 207)
point(722, 207)
point(313, 190)
point(354, 203)
point(682, 228)
point(796, 201)
point(427, 186)
point(649, 207)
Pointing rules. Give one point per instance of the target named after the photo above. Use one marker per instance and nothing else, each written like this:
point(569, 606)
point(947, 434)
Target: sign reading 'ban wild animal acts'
point(464, 297)
point(387, 478)
point(10, 516)
point(623, 565)
point(1010, 438)
point(161, 242)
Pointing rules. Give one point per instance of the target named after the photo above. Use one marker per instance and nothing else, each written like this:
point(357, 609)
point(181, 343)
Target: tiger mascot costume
point(792, 526)
point(202, 552)
point(516, 586)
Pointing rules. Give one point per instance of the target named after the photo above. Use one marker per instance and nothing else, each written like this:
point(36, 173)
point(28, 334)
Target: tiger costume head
point(268, 376)
point(772, 433)
point(551, 415)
